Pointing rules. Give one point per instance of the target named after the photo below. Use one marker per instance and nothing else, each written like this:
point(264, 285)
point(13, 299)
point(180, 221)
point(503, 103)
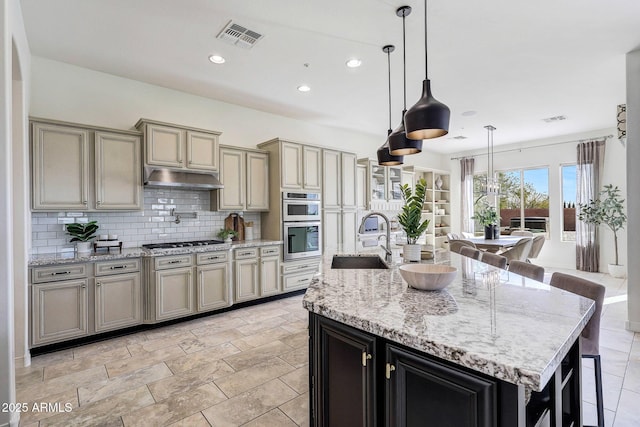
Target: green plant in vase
point(82, 233)
point(410, 218)
point(488, 217)
point(227, 234)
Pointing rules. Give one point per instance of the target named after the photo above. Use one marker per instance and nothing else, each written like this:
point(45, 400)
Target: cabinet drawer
point(297, 281)
point(246, 253)
point(270, 251)
point(173, 261)
point(58, 272)
point(212, 257)
point(291, 268)
point(117, 266)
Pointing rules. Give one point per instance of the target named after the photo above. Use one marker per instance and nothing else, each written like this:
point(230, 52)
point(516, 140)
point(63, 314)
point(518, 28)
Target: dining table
point(495, 245)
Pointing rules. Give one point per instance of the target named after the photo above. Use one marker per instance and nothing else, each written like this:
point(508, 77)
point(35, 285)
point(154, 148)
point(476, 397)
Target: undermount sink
point(358, 261)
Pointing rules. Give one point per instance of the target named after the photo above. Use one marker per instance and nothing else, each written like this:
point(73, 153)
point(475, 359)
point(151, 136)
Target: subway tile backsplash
point(152, 225)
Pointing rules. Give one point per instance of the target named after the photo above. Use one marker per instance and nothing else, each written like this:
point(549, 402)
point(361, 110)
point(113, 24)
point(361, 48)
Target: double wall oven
point(301, 227)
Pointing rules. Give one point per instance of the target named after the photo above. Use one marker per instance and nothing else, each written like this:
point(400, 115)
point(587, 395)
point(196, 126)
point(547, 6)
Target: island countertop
point(512, 328)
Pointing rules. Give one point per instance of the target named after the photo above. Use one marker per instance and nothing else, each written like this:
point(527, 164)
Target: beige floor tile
point(297, 325)
point(106, 412)
point(620, 340)
point(590, 415)
point(35, 412)
point(249, 358)
point(206, 341)
point(94, 360)
point(628, 414)
point(218, 324)
point(259, 316)
point(298, 357)
point(611, 386)
point(613, 361)
point(108, 345)
point(142, 360)
point(123, 383)
point(51, 358)
point(272, 418)
point(176, 408)
point(250, 404)
point(298, 379)
point(28, 376)
point(201, 359)
point(254, 328)
point(632, 377)
point(195, 420)
point(61, 384)
point(298, 409)
point(260, 373)
point(163, 342)
point(262, 338)
point(297, 339)
point(188, 380)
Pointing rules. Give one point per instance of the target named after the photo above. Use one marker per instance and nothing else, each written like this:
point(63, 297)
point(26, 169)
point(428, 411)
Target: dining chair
point(526, 269)
point(470, 252)
point(453, 236)
point(456, 244)
point(519, 251)
point(536, 247)
point(494, 259)
point(467, 235)
point(590, 337)
point(523, 233)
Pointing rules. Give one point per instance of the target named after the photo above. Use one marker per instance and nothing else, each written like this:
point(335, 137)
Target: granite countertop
point(71, 257)
point(517, 330)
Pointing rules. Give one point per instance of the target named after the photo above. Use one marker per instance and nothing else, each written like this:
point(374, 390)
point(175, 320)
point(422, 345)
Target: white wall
point(555, 253)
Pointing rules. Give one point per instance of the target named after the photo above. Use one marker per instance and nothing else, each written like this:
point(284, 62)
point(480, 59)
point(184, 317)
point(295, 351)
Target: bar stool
point(494, 259)
point(456, 244)
point(470, 252)
point(526, 269)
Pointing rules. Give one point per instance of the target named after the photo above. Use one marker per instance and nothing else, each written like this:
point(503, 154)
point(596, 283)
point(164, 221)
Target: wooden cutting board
point(235, 222)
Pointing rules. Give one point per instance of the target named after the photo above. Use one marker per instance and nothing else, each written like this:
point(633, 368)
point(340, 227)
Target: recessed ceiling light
point(304, 88)
point(469, 113)
point(354, 63)
point(217, 59)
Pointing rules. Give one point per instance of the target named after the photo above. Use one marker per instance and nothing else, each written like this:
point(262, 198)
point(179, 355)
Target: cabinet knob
point(84, 202)
point(84, 286)
point(390, 368)
point(366, 356)
point(97, 284)
point(99, 202)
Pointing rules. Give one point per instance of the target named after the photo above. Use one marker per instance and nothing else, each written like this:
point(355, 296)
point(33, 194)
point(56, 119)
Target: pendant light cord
point(404, 61)
point(426, 62)
point(389, 72)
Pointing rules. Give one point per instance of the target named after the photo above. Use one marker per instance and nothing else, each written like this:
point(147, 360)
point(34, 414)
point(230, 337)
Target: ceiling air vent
point(459, 137)
point(554, 119)
point(238, 35)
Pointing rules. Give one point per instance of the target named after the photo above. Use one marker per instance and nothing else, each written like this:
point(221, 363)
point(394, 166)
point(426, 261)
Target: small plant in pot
point(410, 218)
point(489, 219)
point(608, 209)
point(227, 234)
point(82, 233)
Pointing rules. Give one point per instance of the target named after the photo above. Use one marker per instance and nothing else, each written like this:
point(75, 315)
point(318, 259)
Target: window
point(569, 192)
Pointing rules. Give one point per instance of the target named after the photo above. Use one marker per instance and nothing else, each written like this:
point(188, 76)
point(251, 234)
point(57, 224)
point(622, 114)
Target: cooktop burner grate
point(172, 245)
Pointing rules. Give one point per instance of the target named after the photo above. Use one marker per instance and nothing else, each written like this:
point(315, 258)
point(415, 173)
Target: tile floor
point(249, 367)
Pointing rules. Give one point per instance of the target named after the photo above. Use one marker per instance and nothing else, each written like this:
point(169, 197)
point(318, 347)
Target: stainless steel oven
point(301, 207)
point(302, 239)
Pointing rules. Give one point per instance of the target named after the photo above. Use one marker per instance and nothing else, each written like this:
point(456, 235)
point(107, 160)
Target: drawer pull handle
point(178, 261)
point(366, 356)
point(246, 253)
point(214, 257)
point(390, 368)
point(303, 280)
point(117, 267)
point(60, 273)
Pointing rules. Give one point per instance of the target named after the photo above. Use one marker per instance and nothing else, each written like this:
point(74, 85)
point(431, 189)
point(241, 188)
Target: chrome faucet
point(387, 249)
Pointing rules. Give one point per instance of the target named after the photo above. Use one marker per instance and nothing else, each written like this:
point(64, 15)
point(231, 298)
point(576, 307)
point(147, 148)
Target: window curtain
point(588, 172)
point(466, 168)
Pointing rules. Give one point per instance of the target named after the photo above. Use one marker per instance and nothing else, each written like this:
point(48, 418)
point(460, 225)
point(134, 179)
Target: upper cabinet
point(311, 170)
point(339, 180)
point(300, 166)
point(179, 147)
point(82, 168)
point(383, 185)
point(245, 176)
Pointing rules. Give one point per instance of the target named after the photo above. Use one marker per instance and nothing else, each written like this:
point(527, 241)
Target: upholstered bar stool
point(494, 259)
point(470, 252)
point(526, 269)
point(590, 338)
point(456, 244)
point(519, 251)
point(536, 247)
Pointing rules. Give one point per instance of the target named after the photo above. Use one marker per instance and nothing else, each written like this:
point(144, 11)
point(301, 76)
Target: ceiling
point(513, 63)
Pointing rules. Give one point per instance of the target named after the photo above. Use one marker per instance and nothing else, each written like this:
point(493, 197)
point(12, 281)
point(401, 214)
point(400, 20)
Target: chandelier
point(492, 185)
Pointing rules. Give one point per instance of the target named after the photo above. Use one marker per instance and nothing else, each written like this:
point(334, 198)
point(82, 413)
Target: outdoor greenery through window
point(569, 191)
point(523, 201)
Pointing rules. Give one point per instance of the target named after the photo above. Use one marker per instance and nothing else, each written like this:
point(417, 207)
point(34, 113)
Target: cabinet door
point(421, 389)
point(348, 181)
point(174, 293)
point(202, 151)
point(118, 302)
point(164, 146)
point(246, 283)
point(344, 376)
point(60, 167)
point(232, 175)
point(362, 193)
point(213, 286)
point(312, 170)
point(117, 173)
point(291, 165)
point(331, 229)
point(58, 311)
point(257, 181)
point(348, 230)
point(270, 276)
point(394, 181)
point(377, 181)
point(332, 177)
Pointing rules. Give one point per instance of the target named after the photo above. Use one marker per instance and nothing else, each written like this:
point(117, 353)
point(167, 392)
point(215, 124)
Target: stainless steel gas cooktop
point(172, 245)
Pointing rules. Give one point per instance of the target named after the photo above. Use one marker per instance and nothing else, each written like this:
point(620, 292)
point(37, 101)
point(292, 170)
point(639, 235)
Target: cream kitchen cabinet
point(339, 180)
point(257, 273)
point(179, 147)
point(270, 283)
point(80, 168)
point(213, 281)
point(311, 169)
point(340, 230)
point(118, 294)
point(245, 176)
point(361, 187)
point(299, 274)
point(174, 293)
point(299, 165)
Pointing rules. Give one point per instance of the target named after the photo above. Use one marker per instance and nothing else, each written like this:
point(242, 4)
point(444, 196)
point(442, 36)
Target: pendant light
point(399, 144)
point(384, 157)
point(492, 185)
point(428, 118)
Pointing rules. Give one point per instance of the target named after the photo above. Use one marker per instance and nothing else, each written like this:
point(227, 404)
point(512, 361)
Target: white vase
point(83, 247)
point(438, 183)
point(411, 253)
point(617, 270)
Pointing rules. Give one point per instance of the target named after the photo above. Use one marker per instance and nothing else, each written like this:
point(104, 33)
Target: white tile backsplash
point(152, 225)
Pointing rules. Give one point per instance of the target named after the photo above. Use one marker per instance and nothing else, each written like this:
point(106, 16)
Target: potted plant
point(608, 209)
point(488, 217)
point(410, 218)
point(82, 233)
point(227, 234)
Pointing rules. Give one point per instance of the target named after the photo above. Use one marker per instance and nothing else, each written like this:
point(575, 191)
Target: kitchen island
point(492, 349)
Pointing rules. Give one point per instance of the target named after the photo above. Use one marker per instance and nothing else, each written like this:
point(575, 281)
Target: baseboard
point(14, 420)
point(632, 326)
point(23, 361)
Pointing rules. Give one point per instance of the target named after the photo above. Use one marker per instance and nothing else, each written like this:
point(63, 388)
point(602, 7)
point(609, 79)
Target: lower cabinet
point(174, 293)
point(246, 280)
point(299, 274)
point(118, 301)
point(257, 273)
point(213, 287)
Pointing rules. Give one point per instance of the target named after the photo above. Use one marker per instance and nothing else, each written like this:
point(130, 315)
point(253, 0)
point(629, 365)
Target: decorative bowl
point(428, 277)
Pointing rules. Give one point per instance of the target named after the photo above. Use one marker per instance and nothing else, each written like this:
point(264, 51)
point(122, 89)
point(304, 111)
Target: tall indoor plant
point(82, 234)
point(410, 218)
point(608, 209)
point(488, 217)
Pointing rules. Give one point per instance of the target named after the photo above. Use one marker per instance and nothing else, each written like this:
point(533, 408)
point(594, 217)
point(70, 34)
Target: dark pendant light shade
point(385, 158)
point(428, 118)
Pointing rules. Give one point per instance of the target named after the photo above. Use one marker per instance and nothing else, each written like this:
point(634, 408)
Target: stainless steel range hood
point(155, 177)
